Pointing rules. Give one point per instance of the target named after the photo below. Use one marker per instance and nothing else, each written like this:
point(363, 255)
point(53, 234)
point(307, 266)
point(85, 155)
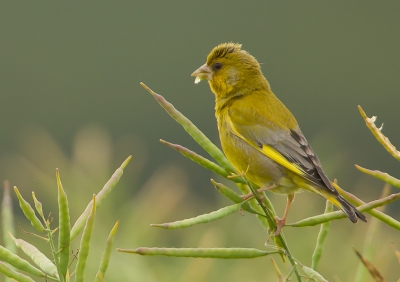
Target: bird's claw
point(279, 224)
point(247, 196)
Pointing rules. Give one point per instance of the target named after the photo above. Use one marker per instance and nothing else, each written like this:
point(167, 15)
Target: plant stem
point(272, 225)
point(54, 253)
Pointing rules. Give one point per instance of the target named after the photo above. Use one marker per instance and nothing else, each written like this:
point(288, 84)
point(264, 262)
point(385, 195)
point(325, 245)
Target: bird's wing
point(289, 148)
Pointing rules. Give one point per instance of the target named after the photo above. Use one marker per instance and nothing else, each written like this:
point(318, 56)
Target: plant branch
point(377, 132)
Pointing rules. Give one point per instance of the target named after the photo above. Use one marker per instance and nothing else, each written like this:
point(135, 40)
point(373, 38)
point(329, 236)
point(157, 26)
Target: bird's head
point(229, 70)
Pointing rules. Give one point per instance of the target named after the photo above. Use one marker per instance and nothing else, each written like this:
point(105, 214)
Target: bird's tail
point(333, 196)
point(352, 213)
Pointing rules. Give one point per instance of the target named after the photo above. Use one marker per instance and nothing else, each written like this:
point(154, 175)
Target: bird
point(259, 135)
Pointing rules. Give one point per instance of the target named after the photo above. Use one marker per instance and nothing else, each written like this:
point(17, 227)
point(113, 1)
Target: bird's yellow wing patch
point(269, 152)
point(280, 159)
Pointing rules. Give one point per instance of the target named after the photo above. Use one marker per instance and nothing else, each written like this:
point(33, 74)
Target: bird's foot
point(280, 222)
point(247, 196)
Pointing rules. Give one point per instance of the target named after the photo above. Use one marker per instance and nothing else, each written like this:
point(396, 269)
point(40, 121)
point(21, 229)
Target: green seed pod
point(106, 255)
point(204, 218)
point(221, 253)
point(38, 257)
point(85, 244)
point(29, 212)
point(7, 218)
point(227, 192)
point(64, 227)
point(190, 128)
point(313, 274)
point(11, 273)
point(318, 219)
point(108, 187)
point(199, 159)
point(38, 206)
point(230, 194)
point(67, 276)
point(17, 262)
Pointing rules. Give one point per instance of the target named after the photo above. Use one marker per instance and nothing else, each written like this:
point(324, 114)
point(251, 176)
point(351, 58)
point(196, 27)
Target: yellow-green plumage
point(258, 133)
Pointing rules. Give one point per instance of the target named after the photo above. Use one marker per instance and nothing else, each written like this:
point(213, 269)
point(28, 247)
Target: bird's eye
point(217, 66)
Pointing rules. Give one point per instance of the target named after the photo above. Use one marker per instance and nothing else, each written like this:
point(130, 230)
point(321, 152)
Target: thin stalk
point(54, 253)
point(321, 237)
point(272, 223)
point(371, 239)
point(381, 175)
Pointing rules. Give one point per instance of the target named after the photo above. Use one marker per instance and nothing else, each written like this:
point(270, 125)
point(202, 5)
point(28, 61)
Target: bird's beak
point(202, 73)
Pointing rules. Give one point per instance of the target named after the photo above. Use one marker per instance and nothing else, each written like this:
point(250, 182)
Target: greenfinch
point(259, 135)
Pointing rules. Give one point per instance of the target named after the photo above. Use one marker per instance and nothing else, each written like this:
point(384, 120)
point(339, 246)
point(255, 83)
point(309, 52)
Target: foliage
point(59, 267)
point(260, 204)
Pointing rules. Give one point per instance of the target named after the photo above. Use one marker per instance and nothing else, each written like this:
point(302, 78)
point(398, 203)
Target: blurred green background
point(70, 98)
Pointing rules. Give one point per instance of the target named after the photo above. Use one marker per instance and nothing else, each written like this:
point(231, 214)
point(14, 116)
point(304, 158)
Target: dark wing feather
point(315, 172)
